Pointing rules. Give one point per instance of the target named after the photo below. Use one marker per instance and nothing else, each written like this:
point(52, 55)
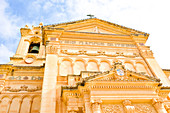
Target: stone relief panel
point(144, 108)
point(112, 108)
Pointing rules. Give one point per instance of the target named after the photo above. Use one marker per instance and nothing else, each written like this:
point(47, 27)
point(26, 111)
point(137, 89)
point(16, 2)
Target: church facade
point(84, 66)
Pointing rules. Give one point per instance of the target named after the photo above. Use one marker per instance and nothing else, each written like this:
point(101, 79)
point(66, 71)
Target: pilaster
point(87, 103)
point(48, 101)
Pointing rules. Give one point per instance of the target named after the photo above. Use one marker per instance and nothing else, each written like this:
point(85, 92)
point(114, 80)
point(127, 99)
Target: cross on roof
point(90, 15)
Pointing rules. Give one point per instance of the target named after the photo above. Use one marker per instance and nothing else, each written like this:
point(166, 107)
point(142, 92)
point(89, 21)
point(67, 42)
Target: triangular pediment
point(95, 25)
point(118, 73)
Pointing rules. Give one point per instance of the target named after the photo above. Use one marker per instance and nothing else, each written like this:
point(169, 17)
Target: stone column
point(159, 106)
point(48, 98)
point(96, 106)
point(20, 103)
point(128, 107)
point(9, 106)
point(87, 103)
point(30, 105)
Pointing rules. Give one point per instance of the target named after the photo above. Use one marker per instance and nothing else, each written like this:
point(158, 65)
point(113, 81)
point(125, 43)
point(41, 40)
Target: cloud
point(5, 53)
point(8, 23)
point(147, 16)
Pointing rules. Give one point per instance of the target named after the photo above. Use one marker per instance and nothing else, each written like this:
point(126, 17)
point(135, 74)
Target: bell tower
point(30, 46)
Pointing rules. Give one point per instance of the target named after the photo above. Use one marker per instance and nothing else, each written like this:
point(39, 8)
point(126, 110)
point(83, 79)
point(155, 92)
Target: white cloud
point(151, 16)
point(5, 54)
point(8, 27)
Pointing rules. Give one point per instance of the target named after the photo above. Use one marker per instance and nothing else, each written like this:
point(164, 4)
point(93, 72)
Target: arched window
point(34, 48)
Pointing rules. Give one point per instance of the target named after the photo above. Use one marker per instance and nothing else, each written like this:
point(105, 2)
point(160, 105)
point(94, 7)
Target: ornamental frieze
point(52, 49)
point(96, 43)
point(144, 108)
point(22, 88)
point(24, 78)
point(100, 53)
point(112, 108)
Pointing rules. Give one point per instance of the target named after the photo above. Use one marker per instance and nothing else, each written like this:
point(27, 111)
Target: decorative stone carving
point(128, 107)
point(144, 108)
point(52, 49)
point(112, 108)
point(159, 106)
point(22, 88)
point(98, 53)
point(96, 105)
point(24, 78)
point(147, 53)
point(167, 107)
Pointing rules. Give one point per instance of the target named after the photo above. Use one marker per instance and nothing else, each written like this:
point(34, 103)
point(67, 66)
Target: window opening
point(34, 48)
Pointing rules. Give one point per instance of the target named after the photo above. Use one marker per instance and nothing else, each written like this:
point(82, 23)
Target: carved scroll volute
point(159, 105)
point(128, 107)
point(96, 105)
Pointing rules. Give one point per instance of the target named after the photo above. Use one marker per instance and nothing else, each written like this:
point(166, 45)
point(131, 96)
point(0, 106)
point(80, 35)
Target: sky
point(150, 16)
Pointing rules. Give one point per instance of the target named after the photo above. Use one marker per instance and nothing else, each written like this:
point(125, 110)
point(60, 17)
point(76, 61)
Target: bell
point(35, 49)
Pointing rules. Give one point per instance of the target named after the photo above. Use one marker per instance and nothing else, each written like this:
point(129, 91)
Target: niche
point(34, 48)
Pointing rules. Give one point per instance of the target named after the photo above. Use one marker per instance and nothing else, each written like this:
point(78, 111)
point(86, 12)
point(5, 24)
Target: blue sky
point(151, 16)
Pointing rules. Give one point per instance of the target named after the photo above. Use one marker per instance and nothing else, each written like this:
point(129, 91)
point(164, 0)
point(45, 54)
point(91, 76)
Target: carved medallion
point(29, 60)
point(120, 72)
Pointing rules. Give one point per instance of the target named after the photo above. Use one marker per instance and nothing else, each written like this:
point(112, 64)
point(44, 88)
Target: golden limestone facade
point(85, 66)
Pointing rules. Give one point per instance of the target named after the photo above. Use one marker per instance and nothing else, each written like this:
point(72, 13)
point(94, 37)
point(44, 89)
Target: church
point(83, 66)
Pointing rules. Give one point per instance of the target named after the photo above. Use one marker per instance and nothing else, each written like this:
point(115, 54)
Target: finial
point(41, 24)
point(26, 26)
point(90, 15)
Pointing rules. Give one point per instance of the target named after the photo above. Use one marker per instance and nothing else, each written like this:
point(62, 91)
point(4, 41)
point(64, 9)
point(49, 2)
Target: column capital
point(127, 102)
point(72, 109)
point(96, 101)
point(52, 49)
point(129, 108)
point(157, 100)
